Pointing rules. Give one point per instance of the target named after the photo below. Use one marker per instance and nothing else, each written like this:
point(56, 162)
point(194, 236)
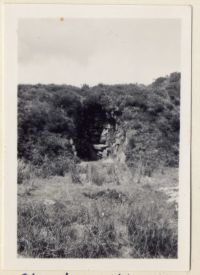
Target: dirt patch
point(107, 194)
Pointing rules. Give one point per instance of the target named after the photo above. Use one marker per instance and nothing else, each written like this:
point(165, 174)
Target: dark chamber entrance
point(90, 124)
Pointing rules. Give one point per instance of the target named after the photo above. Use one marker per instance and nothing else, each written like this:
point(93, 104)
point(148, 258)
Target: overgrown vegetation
point(72, 206)
point(60, 219)
point(49, 116)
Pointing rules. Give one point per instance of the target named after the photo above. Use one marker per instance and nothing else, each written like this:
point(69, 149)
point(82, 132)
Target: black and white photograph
point(98, 137)
point(98, 113)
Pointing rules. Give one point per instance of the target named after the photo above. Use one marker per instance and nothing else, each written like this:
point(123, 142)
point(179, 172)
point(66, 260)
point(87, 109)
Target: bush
point(24, 171)
point(128, 114)
point(175, 123)
point(159, 81)
point(138, 100)
point(49, 115)
point(58, 166)
point(175, 77)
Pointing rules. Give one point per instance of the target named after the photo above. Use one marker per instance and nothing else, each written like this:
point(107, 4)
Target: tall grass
point(98, 176)
point(100, 229)
point(58, 235)
point(111, 217)
point(151, 234)
point(49, 168)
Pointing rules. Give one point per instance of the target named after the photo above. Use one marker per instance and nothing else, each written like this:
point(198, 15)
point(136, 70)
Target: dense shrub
point(59, 166)
point(51, 115)
point(159, 81)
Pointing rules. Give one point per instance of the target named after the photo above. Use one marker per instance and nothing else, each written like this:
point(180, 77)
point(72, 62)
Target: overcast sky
point(92, 51)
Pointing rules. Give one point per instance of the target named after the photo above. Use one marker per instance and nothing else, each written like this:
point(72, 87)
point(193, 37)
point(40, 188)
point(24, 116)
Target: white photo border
point(12, 13)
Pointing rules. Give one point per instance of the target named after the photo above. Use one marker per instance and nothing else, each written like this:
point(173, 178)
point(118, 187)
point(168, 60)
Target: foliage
point(49, 116)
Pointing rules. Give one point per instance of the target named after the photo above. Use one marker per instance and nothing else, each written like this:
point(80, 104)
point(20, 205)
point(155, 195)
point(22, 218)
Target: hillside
point(59, 125)
point(98, 170)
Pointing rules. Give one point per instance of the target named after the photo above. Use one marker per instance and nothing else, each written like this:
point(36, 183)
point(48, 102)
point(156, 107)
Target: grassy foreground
point(60, 219)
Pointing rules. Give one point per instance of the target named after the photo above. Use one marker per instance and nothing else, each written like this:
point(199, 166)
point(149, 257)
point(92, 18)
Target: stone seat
point(100, 147)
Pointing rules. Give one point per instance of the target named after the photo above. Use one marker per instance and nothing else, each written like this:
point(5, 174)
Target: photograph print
point(98, 123)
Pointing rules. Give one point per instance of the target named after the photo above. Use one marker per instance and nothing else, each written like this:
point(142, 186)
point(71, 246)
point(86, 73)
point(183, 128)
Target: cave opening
point(89, 127)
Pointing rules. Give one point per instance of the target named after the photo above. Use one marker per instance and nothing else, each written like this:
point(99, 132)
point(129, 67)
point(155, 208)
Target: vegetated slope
point(55, 121)
point(102, 208)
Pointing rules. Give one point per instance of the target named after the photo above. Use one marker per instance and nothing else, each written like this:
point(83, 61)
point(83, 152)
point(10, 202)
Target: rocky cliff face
point(102, 139)
point(112, 142)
